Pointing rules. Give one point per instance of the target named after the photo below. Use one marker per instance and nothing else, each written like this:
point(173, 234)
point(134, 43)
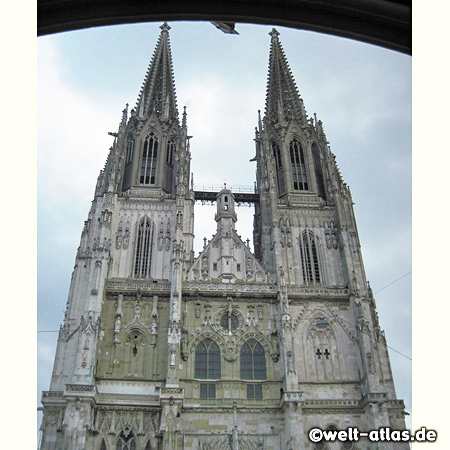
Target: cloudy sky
point(361, 93)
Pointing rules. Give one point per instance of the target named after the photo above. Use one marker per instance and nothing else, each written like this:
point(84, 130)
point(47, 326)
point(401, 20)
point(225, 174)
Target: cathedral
point(229, 349)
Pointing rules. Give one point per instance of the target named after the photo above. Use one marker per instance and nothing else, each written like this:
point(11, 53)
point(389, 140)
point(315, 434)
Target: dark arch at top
point(386, 23)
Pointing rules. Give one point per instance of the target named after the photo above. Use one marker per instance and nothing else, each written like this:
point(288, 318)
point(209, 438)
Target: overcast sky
point(362, 94)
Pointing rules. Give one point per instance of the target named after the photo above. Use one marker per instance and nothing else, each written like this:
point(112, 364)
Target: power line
point(395, 281)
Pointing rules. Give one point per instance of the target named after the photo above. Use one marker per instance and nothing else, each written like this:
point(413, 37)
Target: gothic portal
point(231, 349)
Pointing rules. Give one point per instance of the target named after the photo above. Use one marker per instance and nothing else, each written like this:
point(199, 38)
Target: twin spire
point(158, 89)
point(283, 102)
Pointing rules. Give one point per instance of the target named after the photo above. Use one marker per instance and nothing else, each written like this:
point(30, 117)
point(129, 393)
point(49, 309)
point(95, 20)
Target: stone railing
point(176, 393)
point(330, 403)
point(80, 389)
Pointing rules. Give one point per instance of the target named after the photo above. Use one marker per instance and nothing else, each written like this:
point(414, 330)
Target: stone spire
point(158, 89)
point(283, 101)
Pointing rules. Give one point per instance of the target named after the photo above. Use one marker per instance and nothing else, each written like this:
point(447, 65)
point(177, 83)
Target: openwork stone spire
point(283, 101)
point(158, 89)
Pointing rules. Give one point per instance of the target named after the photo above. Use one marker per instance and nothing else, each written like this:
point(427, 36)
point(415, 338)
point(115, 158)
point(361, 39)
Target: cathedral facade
point(232, 349)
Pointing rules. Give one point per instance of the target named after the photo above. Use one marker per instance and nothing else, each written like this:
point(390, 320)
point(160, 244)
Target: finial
point(165, 27)
point(274, 34)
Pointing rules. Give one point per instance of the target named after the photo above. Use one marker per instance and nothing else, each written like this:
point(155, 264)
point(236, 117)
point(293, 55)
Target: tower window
point(207, 360)
point(171, 147)
point(278, 167)
point(277, 155)
point(130, 151)
point(149, 159)
point(310, 261)
point(143, 249)
point(298, 166)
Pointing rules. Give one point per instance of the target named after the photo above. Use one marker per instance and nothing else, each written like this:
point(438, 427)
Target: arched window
point(309, 257)
point(253, 361)
point(149, 159)
point(318, 171)
point(130, 151)
point(298, 166)
point(277, 155)
point(278, 166)
point(207, 366)
point(171, 147)
point(253, 366)
point(207, 360)
point(142, 258)
point(103, 446)
point(126, 442)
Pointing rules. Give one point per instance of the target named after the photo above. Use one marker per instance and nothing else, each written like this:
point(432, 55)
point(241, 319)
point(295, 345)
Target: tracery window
point(229, 322)
point(142, 258)
point(298, 166)
point(130, 150)
point(171, 147)
point(207, 360)
point(253, 367)
point(149, 159)
point(309, 257)
point(253, 361)
point(126, 442)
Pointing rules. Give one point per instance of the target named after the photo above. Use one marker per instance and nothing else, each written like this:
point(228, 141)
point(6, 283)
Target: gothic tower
point(232, 349)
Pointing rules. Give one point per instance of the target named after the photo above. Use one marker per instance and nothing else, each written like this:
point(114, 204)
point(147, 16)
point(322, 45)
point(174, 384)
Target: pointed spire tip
point(165, 27)
point(274, 33)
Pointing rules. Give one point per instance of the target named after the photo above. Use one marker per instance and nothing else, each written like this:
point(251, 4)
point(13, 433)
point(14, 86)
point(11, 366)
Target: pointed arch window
point(207, 360)
point(309, 257)
point(171, 147)
point(127, 442)
point(318, 170)
point(103, 446)
point(130, 150)
point(253, 361)
point(298, 166)
point(149, 159)
point(277, 155)
point(278, 166)
point(207, 366)
point(142, 258)
point(253, 367)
